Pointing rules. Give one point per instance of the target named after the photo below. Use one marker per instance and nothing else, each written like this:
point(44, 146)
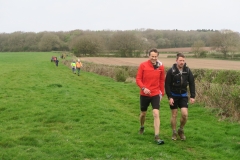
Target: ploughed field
point(191, 62)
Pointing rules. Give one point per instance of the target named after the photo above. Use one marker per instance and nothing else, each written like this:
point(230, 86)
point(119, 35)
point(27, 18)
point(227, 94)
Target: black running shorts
point(145, 101)
point(180, 102)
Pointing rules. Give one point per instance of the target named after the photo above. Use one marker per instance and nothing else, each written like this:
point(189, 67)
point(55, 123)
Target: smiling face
point(153, 56)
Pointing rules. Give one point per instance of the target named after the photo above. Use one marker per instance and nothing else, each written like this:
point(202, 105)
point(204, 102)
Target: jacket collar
point(175, 66)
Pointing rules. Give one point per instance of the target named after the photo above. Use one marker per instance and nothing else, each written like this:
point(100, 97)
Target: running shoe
point(181, 134)
point(174, 136)
point(158, 140)
point(141, 130)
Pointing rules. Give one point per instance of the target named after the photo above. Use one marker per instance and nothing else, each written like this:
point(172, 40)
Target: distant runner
point(73, 65)
point(78, 66)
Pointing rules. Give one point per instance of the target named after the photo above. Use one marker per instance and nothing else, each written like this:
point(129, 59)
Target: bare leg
point(183, 120)
point(157, 126)
point(174, 119)
point(174, 124)
point(156, 121)
point(142, 118)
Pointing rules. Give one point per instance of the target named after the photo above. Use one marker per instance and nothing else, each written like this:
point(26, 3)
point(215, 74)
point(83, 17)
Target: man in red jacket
point(150, 79)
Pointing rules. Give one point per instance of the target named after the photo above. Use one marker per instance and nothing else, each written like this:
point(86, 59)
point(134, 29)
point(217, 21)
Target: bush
point(220, 90)
point(203, 54)
point(121, 75)
point(223, 98)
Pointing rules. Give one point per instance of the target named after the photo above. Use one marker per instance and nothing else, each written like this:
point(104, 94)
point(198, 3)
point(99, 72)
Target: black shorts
point(180, 102)
point(145, 101)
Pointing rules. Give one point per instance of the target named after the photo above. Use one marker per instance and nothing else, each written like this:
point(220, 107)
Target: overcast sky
point(67, 15)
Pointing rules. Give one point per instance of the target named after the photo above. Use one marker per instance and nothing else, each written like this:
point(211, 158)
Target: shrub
point(222, 97)
point(121, 75)
point(220, 90)
point(203, 54)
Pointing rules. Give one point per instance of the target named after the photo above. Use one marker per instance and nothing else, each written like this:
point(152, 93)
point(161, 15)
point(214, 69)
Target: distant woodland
point(129, 43)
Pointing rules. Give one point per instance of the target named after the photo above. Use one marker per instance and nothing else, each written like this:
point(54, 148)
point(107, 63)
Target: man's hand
point(192, 100)
point(146, 91)
point(171, 102)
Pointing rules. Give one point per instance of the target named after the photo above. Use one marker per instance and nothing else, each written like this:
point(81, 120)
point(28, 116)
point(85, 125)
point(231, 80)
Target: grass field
point(49, 113)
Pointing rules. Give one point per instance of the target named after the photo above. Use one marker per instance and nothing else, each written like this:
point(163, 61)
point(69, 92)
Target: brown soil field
point(167, 62)
point(185, 49)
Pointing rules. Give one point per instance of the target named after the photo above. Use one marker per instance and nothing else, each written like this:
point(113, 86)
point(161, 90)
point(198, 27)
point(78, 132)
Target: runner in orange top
point(78, 66)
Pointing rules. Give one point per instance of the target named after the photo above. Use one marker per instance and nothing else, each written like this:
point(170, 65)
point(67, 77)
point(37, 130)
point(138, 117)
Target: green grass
point(49, 113)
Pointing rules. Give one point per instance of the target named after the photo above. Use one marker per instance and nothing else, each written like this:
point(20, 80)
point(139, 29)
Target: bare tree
point(234, 50)
point(49, 42)
point(127, 44)
point(15, 41)
point(225, 41)
point(147, 44)
point(3, 42)
point(86, 44)
point(197, 48)
point(30, 42)
point(163, 43)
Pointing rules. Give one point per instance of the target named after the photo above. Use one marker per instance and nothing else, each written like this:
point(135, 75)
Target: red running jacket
point(150, 78)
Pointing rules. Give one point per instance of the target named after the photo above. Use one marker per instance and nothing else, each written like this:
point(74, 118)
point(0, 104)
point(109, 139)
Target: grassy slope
point(49, 113)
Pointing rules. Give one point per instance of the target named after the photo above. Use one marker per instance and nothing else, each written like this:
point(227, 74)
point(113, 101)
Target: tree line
point(130, 43)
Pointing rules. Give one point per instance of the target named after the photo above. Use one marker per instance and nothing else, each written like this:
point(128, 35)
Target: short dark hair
point(179, 54)
point(153, 50)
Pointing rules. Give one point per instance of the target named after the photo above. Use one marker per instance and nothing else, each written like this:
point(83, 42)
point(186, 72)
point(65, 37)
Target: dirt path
point(192, 62)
